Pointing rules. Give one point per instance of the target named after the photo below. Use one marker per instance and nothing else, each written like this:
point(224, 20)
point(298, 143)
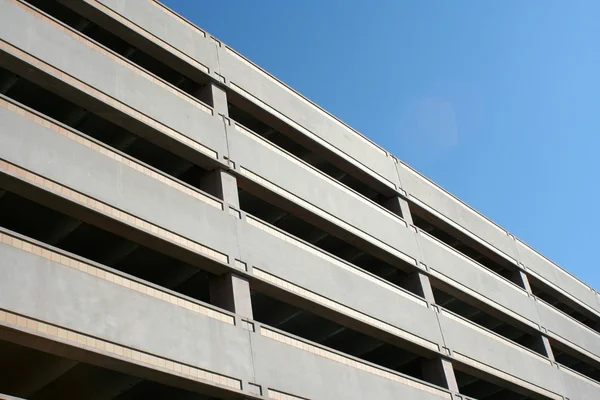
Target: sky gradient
point(497, 102)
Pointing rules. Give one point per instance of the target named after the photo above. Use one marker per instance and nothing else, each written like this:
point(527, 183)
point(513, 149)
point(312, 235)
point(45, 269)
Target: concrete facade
point(176, 223)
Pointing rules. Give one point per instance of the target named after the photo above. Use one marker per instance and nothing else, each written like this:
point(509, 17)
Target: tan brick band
point(104, 347)
point(321, 352)
point(121, 216)
point(115, 278)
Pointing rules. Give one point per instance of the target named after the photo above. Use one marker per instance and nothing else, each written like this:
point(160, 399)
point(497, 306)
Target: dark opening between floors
point(573, 359)
point(564, 304)
point(57, 229)
point(477, 314)
point(241, 111)
point(307, 325)
point(99, 128)
point(194, 87)
point(484, 389)
point(465, 245)
point(300, 228)
point(36, 375)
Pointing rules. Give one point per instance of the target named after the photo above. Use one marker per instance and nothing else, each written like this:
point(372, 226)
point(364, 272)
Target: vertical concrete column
point(223, 185)
point(541, 343)
point(520, 278)
point(546, 348)
point(229, 291)
point(419, 283)
point(440, 372)
point(215, 96)
point(399, 206)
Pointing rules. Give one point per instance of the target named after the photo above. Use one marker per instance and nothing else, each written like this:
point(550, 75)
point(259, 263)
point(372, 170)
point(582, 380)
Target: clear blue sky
point(496, 101)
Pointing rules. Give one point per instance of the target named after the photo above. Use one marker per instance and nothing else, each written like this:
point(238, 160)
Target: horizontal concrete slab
point(316, 124)
point(123, 82)
point(477, 281)
point(569, 331)
point(168, 27)
point(297, 367)
point(497, 356)
point(550, 273)
point(81, 165)
point(95, 302)
point(442, 204)
point(164, 27)
point(579, 387)
point(335, 284)
point(320, 194)
point(110, 310)
point(62, 156)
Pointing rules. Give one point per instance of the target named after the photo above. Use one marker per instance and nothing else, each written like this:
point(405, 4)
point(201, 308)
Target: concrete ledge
point(569, 331)
point(115, 311)
point(427, 194)
point(248, 79)
point(242, 76)
point(260, 161)
point(353, 379)
point(52, 43)
point(305, 271)
point(476, 281)
point(492, 354)
point(56, 297)
point(579, 387)
point(557, 278)
point(315, 126)
point(165, 25)
point(79, 169)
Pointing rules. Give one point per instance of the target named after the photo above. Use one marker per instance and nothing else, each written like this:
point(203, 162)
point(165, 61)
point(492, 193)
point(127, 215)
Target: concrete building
point(176, 223)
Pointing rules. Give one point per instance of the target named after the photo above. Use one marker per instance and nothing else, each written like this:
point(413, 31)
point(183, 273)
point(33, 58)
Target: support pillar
point(419, 283)
point(214, 96)
point(546, 348)
point(232, 293)
point(399, 206)
point(223, 185)
point(440, 372)
point(519, 277)
point(541, 343)
point(229, 291)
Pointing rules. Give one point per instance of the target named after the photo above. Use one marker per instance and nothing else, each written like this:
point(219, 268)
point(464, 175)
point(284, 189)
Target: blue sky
point(496, 101)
